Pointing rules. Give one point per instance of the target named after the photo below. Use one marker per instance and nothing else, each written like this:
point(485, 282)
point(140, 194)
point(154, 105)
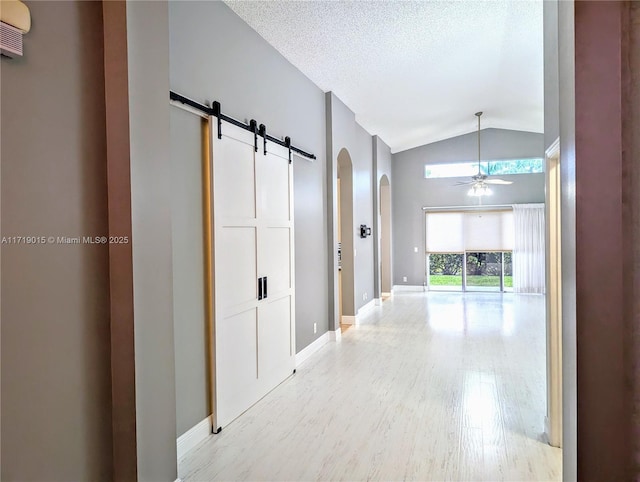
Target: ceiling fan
point(480, 182)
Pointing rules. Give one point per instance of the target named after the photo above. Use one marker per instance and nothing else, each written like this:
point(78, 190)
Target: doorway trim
point(553, 299)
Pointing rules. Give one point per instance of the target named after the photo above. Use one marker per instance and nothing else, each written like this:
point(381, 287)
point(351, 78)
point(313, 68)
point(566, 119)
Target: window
point(445, 271)
point(470, 271)
point(491, 168)
point(488, 271)
point(469, 250)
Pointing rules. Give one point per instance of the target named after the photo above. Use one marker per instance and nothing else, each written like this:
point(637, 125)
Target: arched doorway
point(385, 237)
point(346, 231)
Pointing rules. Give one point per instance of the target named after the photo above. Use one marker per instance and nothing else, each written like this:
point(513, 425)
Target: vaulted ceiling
point(415, 72)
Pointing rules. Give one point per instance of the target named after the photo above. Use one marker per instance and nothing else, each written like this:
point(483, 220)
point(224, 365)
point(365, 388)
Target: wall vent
point(10, 40)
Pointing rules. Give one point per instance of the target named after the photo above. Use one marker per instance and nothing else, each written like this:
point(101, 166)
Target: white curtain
point(529, 248)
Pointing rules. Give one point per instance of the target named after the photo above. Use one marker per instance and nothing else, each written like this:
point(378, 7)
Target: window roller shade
point(455, 232)
point(445, 233)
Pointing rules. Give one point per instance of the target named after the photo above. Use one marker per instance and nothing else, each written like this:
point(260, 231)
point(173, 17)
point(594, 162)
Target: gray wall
point(148, 57)
point(331, 235)
point(363, 214)
point(381, 167)
point(551, 86)
point(412, 191)
point(188, 270)
point(251, 79)
point(56, 389)
point(347, 134)
point(383, 160)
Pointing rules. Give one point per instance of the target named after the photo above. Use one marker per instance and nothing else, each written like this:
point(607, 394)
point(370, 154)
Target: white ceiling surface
point(415, 72)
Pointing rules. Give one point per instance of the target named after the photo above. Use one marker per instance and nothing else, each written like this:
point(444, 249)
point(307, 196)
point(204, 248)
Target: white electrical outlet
point(315, 328)
point(404, 279)
point(415, 249)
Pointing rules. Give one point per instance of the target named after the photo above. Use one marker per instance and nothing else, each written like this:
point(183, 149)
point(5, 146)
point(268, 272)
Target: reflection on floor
point(431, 386)
point(344, 327)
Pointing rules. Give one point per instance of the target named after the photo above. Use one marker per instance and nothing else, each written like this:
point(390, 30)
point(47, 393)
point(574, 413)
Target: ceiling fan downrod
point(478, 114)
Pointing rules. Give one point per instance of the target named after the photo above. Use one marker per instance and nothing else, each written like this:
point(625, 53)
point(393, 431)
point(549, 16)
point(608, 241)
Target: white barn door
point(254, 302)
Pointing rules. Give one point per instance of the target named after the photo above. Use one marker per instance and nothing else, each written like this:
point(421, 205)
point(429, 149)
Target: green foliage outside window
point(483, 269)
point(448, 264)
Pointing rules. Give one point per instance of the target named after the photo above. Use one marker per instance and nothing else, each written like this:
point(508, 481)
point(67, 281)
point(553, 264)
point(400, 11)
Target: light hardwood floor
point(431, 386)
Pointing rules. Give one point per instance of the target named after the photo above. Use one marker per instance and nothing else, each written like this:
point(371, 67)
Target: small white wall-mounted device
point(15, 21)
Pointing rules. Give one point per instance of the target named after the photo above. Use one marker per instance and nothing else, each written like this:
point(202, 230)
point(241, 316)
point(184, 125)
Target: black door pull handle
point(260, 288)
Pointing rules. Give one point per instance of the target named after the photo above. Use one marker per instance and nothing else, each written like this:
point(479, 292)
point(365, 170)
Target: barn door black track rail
point(252, 127)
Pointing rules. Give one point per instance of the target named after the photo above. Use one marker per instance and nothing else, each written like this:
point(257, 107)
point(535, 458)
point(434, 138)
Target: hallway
point(426, 388)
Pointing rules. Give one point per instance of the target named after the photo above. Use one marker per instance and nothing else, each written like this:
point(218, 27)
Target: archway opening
point(385, 237)
point(346, 230)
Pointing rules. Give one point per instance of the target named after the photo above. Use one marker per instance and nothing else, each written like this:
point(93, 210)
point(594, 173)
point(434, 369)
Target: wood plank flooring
point(431, 386)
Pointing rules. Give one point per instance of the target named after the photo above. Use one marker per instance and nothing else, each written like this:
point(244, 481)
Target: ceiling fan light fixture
point(479, 190)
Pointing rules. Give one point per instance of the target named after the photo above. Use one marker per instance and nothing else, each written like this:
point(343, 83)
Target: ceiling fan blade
point(498, 181)
point(464, 183)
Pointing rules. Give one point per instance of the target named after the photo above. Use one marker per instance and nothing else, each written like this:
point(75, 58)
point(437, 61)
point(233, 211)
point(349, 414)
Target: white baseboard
point(387, 294)
point(335, 335)
point(397, 288)
point(310, 349)
point(363, 309)
point(348, 320)
point(193, 436)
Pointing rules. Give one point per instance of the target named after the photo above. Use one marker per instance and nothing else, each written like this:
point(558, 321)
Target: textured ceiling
point(415, 72)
